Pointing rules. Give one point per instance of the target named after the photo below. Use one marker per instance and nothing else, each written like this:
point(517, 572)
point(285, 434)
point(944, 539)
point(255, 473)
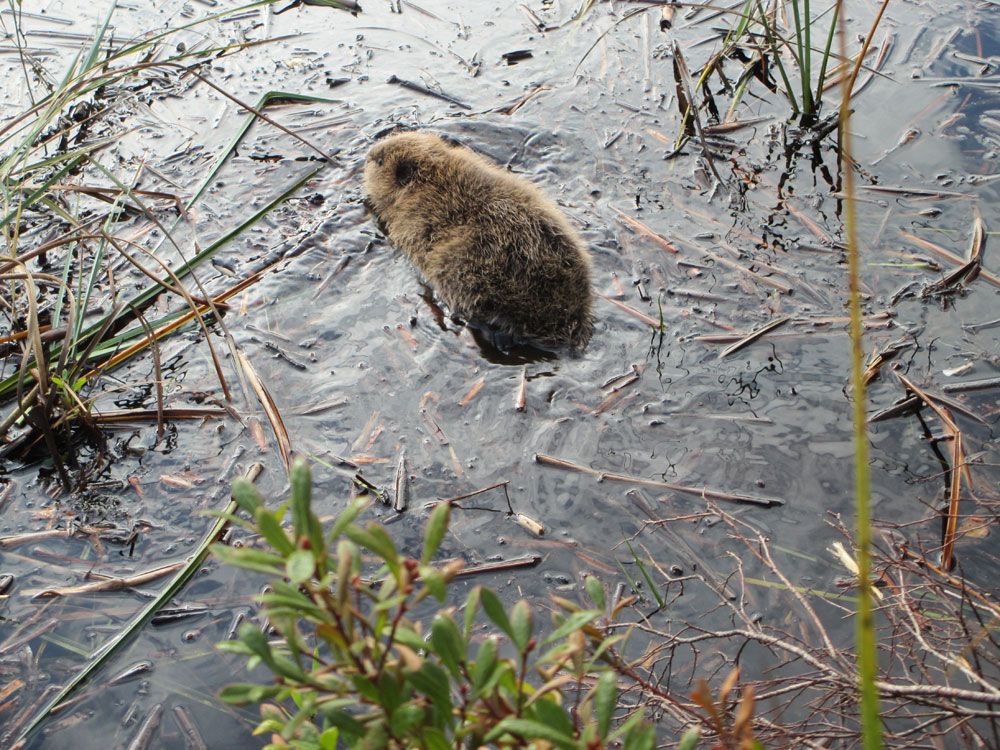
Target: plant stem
point(826, 55)
point(871, 729)
point(807, 99)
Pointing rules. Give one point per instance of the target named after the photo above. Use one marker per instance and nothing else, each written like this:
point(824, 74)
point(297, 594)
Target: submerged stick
point(111, 584)
point(528, 561)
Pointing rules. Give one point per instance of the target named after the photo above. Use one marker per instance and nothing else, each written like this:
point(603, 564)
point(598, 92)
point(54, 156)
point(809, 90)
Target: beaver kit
point(496, 250)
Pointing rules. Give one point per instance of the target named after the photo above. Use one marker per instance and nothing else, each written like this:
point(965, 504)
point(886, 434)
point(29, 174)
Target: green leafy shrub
point(354, 667)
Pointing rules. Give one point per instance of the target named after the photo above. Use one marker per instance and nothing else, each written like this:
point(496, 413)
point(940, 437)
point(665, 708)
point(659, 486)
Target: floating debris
point(401, 484)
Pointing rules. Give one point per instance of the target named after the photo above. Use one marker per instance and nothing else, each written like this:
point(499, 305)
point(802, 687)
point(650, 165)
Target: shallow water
point(346, 323)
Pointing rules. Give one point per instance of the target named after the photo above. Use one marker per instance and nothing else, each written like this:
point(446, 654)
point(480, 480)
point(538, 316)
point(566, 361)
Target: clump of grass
point(69, 216)
point(789, 41)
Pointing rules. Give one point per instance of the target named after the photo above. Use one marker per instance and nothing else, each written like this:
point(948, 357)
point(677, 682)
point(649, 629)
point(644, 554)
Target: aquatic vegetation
point(87, 253)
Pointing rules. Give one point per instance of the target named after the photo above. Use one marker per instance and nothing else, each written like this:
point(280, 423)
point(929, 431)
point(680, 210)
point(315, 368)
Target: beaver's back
point(495, 249)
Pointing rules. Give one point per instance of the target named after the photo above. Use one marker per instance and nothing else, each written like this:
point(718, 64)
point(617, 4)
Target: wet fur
point(495, 249)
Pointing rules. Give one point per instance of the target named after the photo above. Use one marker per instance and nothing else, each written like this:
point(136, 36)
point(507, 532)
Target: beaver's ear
point(406, 170)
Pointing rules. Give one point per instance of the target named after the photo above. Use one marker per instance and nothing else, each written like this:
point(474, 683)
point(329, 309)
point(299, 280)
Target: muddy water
point(361, 361)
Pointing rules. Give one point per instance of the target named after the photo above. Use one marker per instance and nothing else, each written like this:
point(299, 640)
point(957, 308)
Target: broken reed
point(60, 338)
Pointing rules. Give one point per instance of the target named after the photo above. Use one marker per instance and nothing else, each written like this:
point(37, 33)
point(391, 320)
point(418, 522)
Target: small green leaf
point(328, 740)
point(300, 565)
point(301, 480)
point(689, 740)
point(270, 529)
point(247, 496)
point(595, 590)
point(551, 714)
point(242, 694)
point(375, 539)
point(530, 730)
point(572, 623)
point(408, 637)
point(256, 641)
point(640, 737)
point(486, 661)
point(434, 582)
point(471, 607)
point(346, 518)
point(234, 647)
point(448, 643)
point(605, 694)
point(365, 687)
point(342, 721)
point(494, 610)
point(434, 739)
point(437, 525)
point(285, 667)
point(521, 625)
point(405, 717)
point(433, 682)
point(249, 559)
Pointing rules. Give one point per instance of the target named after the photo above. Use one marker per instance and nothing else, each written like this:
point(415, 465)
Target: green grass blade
point(826, 55)
point(807, 100)
point(95, 47)
point(802, 56)
point(776, 55)
point(645, 574)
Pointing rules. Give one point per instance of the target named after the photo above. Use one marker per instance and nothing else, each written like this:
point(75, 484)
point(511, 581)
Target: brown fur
point(494, 248)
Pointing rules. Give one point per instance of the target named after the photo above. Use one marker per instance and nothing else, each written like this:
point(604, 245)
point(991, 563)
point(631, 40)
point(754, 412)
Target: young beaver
point(494, 248)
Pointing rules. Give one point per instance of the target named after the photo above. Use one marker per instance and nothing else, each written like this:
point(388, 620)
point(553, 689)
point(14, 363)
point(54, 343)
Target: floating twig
point(972, 385)
point(949, 256)
point(754, 335)
point(473, 391)
point(654, 324)
point(401, 485)
point(467, 495)
point(528, 561)
point(421, 89)
point(704, 492)
point(886, 354)
point(640, 228)
point(529, 523)
point(521, 399)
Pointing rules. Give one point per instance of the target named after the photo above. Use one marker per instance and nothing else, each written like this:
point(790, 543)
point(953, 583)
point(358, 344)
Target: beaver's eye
point(406, 170)
point(380, 161)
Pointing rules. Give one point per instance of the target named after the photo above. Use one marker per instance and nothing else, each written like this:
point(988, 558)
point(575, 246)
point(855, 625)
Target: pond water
point(361, 362)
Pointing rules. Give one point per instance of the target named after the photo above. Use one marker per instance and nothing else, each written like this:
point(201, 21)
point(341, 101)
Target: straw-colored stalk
point(871, 729)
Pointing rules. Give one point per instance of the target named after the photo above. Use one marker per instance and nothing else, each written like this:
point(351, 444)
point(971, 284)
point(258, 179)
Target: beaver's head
point(397, 164)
